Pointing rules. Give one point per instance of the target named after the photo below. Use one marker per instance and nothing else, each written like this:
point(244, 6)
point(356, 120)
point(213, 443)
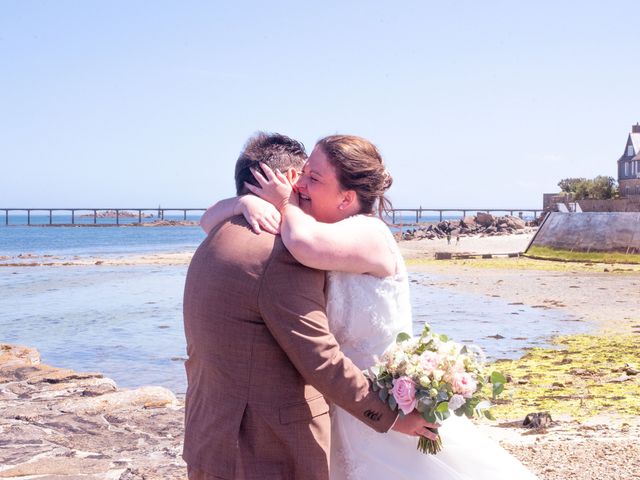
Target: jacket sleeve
point(292, 305)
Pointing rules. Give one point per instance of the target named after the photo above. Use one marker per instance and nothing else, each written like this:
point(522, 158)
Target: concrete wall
point(591, 231)
point(614, 205)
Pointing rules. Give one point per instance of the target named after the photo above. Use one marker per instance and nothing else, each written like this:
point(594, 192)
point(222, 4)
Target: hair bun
point(388, 179)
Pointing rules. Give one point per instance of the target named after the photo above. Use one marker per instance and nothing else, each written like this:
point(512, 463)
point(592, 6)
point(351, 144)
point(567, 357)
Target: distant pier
point(118, 213)
point(418, 212)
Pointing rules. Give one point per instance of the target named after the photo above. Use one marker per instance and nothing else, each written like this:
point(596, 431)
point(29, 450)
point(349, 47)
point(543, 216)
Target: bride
point(327, 222)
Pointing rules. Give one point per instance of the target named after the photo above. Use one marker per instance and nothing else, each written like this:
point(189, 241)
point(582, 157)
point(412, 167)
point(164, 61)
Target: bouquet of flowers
point(434, 376)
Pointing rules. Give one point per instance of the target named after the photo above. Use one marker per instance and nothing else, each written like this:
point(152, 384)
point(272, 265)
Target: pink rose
point(429, 361)
point(404, 391)
point(464, 384)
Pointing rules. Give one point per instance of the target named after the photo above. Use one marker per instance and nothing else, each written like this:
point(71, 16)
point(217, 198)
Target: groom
point(262, 361)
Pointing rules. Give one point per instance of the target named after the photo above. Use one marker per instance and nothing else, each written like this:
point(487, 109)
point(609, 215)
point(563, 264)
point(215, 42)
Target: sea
point(126, 321)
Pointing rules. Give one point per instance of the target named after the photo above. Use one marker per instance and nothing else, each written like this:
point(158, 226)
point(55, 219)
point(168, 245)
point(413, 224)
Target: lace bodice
point(366, 313)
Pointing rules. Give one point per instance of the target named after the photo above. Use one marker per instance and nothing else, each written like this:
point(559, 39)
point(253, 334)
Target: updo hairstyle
point(359, 167)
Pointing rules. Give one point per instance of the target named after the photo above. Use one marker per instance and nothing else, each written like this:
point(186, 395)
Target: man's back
point(236, 368)
point(257, 339)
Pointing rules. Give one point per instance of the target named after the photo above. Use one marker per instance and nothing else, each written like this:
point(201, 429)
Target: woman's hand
point(275, 187)
point(260, 214)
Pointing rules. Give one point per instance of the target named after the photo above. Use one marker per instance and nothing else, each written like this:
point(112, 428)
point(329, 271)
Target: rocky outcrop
point(61, 424)
point(114, 214)
point(482, 224)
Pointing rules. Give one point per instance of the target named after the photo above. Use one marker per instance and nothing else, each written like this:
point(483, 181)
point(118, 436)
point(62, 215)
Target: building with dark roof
point(629, 165)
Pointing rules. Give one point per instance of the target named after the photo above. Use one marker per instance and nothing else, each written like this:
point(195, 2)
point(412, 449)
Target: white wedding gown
point(366, 313)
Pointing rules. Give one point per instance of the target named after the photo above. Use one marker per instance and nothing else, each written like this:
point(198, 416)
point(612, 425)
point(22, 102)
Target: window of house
point(630, 152)
point(626, 169)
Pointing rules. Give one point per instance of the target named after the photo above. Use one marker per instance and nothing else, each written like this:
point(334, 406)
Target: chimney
point(635, 128)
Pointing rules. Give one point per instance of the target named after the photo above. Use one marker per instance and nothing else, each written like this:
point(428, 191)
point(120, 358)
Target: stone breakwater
point(483, 224)
point(60, 424)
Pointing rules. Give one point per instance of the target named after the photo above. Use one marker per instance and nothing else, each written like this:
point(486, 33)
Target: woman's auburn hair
point(359, 167)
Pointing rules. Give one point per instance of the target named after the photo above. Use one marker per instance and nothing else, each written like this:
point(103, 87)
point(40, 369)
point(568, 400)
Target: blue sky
point(473, 104)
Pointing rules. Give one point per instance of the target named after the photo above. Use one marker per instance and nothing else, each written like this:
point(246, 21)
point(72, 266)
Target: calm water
point(127, 321)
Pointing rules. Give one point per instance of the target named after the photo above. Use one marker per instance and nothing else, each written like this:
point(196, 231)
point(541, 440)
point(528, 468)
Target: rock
point(485, 219)
point(57, 423)
point(516, 222)
point(537, 420)
point(468, 222)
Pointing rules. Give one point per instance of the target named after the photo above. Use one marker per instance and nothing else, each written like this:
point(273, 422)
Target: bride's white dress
point(366, 313)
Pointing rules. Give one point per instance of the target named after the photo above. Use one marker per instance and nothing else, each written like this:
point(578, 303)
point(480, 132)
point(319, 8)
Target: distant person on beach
point(328, 221)
point(262, 363)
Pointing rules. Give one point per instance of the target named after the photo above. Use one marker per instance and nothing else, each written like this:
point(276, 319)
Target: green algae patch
point(586, 375)
point(574, 256)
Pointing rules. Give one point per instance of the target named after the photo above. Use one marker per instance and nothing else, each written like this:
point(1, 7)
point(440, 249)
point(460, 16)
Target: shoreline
point(570, 448)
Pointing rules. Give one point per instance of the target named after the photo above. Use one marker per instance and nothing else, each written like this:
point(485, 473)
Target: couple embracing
point(280, 327)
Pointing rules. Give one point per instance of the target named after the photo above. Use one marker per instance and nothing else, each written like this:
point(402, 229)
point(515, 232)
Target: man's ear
point(292, 174)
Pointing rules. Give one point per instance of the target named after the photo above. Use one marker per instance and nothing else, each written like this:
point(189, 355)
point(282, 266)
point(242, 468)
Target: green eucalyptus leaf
point(442, 416)
point(392, 402)
point(383, 394)
point(497, 377)
point(403, 337)
point(429, 416)
point(498, 388)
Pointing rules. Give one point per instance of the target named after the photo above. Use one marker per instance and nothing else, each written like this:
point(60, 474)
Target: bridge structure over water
point(120, 213)
point(95, 213)
point(420, 212)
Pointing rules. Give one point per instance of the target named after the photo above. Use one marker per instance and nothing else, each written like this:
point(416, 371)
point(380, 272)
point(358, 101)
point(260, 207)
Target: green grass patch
point(569, 256)
point(584, 377)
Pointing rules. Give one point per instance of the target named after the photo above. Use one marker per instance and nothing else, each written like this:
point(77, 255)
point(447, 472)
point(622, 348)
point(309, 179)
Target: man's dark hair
point(277, 151)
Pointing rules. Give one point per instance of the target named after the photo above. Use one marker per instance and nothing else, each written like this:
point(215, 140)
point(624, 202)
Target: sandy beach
point(602, 445)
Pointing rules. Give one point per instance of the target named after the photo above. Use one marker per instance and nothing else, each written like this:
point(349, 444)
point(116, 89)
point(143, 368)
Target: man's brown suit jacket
point(261, 361)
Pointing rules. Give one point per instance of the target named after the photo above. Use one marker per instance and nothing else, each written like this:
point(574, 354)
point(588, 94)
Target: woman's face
point(319, 191)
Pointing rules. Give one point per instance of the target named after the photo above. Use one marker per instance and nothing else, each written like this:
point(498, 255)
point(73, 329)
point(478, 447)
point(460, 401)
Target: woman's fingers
point(255, 226)
point(430, 434)
point(259, 177)
point(282, 177)
point(268, 172)
point(268, 226)
point(253, 189)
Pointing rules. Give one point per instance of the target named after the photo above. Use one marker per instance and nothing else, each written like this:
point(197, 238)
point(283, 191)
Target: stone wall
point(632, 186)
point(613, 205)
point(591, 232)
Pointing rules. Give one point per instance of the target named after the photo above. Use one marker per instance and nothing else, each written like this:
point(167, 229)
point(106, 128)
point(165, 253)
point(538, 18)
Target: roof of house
point(635, 140)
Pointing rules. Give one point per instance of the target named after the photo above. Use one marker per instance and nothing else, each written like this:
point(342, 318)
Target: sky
point(135, 104)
